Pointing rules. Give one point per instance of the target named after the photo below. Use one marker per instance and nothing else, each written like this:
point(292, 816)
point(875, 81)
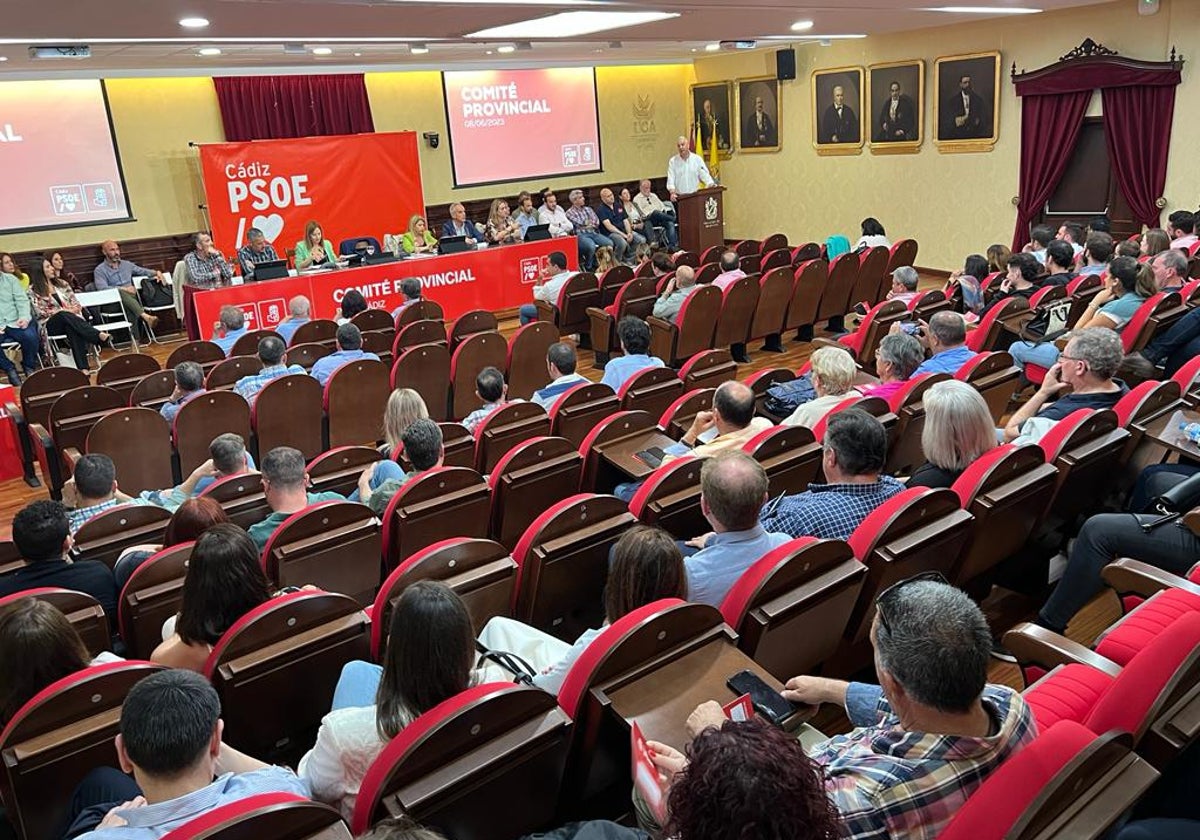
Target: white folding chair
point(155, 310)
point(107, 298)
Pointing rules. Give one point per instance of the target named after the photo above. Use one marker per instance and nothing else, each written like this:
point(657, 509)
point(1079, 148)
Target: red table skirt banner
point(491, 279)
point(10, 451)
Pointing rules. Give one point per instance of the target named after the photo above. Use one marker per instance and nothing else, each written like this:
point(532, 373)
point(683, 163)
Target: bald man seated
point(116, 273)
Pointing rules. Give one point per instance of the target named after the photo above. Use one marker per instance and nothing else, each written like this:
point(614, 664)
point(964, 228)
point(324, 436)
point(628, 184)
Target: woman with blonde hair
point(1154, 241)
point(833, 372)
point(997, 258)
point(501, 229)
point(604, 259)
point(418, 239)
point(404, 407)
point(958, 430)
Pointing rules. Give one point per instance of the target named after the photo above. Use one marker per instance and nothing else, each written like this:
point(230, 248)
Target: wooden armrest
point(660, 323)
point(1191, 521)
point(41, 435)
point(597, 312)
point(1133, 577)
point(72, 455)
point(544, 308)
point(821, 341)
point(1034, 645)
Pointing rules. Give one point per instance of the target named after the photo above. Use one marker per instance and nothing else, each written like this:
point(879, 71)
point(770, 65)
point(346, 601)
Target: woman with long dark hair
point(429, 658)
point(59, 313)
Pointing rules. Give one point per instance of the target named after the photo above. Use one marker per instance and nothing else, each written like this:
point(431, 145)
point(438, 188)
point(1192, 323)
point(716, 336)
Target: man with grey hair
point(285, 483)
point(300, 312)
point(733, 487)
point(946, 337)
point(587, 230)
point(679, 288)
point(657, 213)
point(1087, 365)
point(1170, 270)
point(256, 250)
point(272, 352)
point(206, 266)
point(686, 172)
point(904, 284)
point(227, 456)
point(457, 225)
point(230, 326)
point(189, 383)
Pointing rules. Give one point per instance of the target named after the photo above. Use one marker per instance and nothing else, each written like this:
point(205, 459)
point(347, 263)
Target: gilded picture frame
point(896, 127)
point(966, 91)
point(758, 133)
point(838, 100)
point(712, 106)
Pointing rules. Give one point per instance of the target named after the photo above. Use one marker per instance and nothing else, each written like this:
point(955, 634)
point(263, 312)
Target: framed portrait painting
point(967, 106)
point(837, 110)
point(712, 110)
point(758, 114)
point(896, 106)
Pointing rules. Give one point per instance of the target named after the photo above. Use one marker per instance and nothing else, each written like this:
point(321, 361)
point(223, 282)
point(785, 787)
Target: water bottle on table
point(1191, 431)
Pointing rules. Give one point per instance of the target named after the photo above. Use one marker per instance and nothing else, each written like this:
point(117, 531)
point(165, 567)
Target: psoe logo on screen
point(8, 135)
point(67, 199)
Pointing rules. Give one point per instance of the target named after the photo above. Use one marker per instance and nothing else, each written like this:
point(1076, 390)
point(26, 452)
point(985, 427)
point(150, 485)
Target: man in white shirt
point(547, 291)
point(686, 172)
point(656, 213)
point(551, 214)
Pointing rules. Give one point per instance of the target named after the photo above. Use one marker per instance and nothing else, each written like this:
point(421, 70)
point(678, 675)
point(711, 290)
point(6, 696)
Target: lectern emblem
point(710, 209)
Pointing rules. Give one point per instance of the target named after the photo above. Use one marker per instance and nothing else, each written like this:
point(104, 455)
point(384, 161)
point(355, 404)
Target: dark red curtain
point(277, 107)
point(1139, 156)
point(1050, 128)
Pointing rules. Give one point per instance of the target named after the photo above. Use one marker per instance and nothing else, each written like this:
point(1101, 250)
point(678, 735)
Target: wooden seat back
point(426, 369)
point(995, 377)
point(435, 505)
point(504, 428)
point(471, 323)
point(902, 253)
point(153, 390)
point(811, 277)
point(355, 399)
point(529, 478)
point(316, 331)
point(201, 419)
point(108, 533)
point(204, 353)
point(692, 330)
point(307, 355)
point(370, 320)
point(225, 374)
point(737, 312)
point(338, 469)
point(418, 332)
point(905, 452)
point(678, 416)
point(123, 371)
point(422, 310)
point(473, 354)
point(651, 390)
point(525, 368)
point(247, 345)
point(790, 455)
point(576, 412)
point(1084, 447)
point(774, 294)
point(241, 496)
point(670, 499)
point(139, 442)
point(611, 281)
point(287, 412)
point(152, 594)
point(280, 816)
point(843, 276)
point(335, 546)
point(873, 281)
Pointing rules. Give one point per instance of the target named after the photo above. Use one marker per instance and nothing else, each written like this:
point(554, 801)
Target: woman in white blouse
point(646, 567)
point(429, 658)
point(872, 235)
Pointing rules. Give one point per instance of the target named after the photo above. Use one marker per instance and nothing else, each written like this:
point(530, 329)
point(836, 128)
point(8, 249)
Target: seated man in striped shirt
point(272, 352)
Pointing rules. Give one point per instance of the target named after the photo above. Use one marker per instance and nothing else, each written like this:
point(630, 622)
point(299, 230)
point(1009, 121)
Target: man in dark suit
point(711, 123)
point(759, 129)
point(840, 123)
point(457, 224)
point(898, 117)
point(964, 114)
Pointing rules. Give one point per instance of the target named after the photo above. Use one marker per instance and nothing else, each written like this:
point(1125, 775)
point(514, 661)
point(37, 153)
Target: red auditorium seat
point(927, 304)
point(995, 377)
point(152, 594)
point(422, 310)
point(708, 369)
point(902, 253)
point(873, 281)
point(302, 639)
point(745, 247)
point(791, 608)
point(772, 259)
point(691, 332)
point(247, 345)
point(153, 390)
point(437, 504)
point(773, 242)
point(705, 274)
point(204, 353)
point(354, 401)
point(562, 561)
point(287, 412)
point(989, 333)
point(811, 278)
point(317, 331)
point(415, 333)
point(504, 428)
point(39, 391)
point(370, 320)
point(568, 314)
point(874, 406)
point(1085, 447)
point(279, 816)
point(533, 475)
point(242, 497)
point(201, 419)
point(677, 418)
point(458, 446)
point(426, 369)
point(774, 295)
point(139, 442)
point(711, 254)
point(738, 303)
point(338, 469)
point(495, 745)
point(577, 411)
point(760, 381)
point(670, 499)
point(307, 355)
point(636, 298)
point(68, 421)
point(864, 341)
point(1188, 379)
point(612, 280)
point(1136, 412)
point(471, 356)
point(843, 275)
point(124, 371)
point(108, 533)
point(805, 252)
point(651, 389)
point(905, 452)
point(525, 368)
point(614, 429)
point(790, 455)
point(334, 546)
point(82, 610)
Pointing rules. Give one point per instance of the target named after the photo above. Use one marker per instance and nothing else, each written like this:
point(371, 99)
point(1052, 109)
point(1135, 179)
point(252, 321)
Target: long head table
point(491, 279)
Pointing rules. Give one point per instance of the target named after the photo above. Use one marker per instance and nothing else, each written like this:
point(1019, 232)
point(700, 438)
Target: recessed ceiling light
point(322, 51)
point(571, 24)
point(3, 58)
point(802, 26)
point(193, 22)
point(357, 54)
point(489, 52)
point(711, 47)
point(983, 10)
point(418, 49)
point(210, 51)
point(507, 48)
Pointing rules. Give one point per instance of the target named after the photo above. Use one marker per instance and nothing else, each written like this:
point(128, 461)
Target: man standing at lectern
point(686, 172)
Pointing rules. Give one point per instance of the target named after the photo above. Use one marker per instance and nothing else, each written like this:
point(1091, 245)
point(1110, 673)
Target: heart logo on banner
point(271, 226)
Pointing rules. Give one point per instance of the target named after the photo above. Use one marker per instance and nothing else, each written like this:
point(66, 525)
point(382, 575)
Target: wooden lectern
point(701, 219)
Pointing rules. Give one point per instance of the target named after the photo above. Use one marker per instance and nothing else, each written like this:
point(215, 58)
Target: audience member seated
point(38, 646)
point(554, 277)
point(658, 214)
point(904, 284)
point(997, 257)
point(41, 535)
point(256, 250)
point(637, 222)
point(410, 287)
point(1039, 239)
point(1071, 233)
point(587, 230)
point(116, 273)
point(646, 566)
point(190, 520)
point(422, 446)
point(59, 313)
point(1060, 264)
point(933, 729)
point(1154, 241)
point(353, 302)
point(285, 482)
point(730, 271)
point(678, 289)
point(170, 741)
point(853, 458)
point(634, 335)
point(314, 249)
point(93, 489)
point(1181, 227)
point(404, 407)
point(526, 215)
point(349, 349)
point(970, 279)
point(8, 265)
point(428, 658)
point(16, 317)
point(404, 828)
point(615, 224)
point(1129, 285)
point(1132, 248)
point(1097, 253)
point(230, 326)
point(493, 390)
point(553, 215)
point(733, 488)
point(1019, 281)
point(300, 312)
point(560, 364)
point(206, 265)
point(1087, 366)
point(501, 228)
point(897, 356)
point(272, 352)
point(833, 372)
point(417, 239)
point(224, 581)
point(1177, 346)
point(945, 336)
point(873, 235)
point(604, 260)
point(1170, 270)
point(958, 431)
point(457, 225)
point(661, 262)
point(189, 383)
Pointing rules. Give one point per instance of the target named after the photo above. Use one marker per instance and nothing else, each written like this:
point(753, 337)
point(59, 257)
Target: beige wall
point(952, 204)
point(155, 119)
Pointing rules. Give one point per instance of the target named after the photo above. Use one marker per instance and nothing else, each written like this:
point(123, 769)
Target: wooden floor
point(1002, 607)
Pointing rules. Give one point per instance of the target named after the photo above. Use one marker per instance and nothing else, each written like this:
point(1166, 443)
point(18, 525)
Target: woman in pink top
point(895, 360)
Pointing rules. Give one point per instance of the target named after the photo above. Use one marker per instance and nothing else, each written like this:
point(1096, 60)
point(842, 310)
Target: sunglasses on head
point(934, 577)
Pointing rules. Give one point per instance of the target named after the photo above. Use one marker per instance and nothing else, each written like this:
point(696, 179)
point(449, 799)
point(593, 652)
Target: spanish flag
point(714, 160)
